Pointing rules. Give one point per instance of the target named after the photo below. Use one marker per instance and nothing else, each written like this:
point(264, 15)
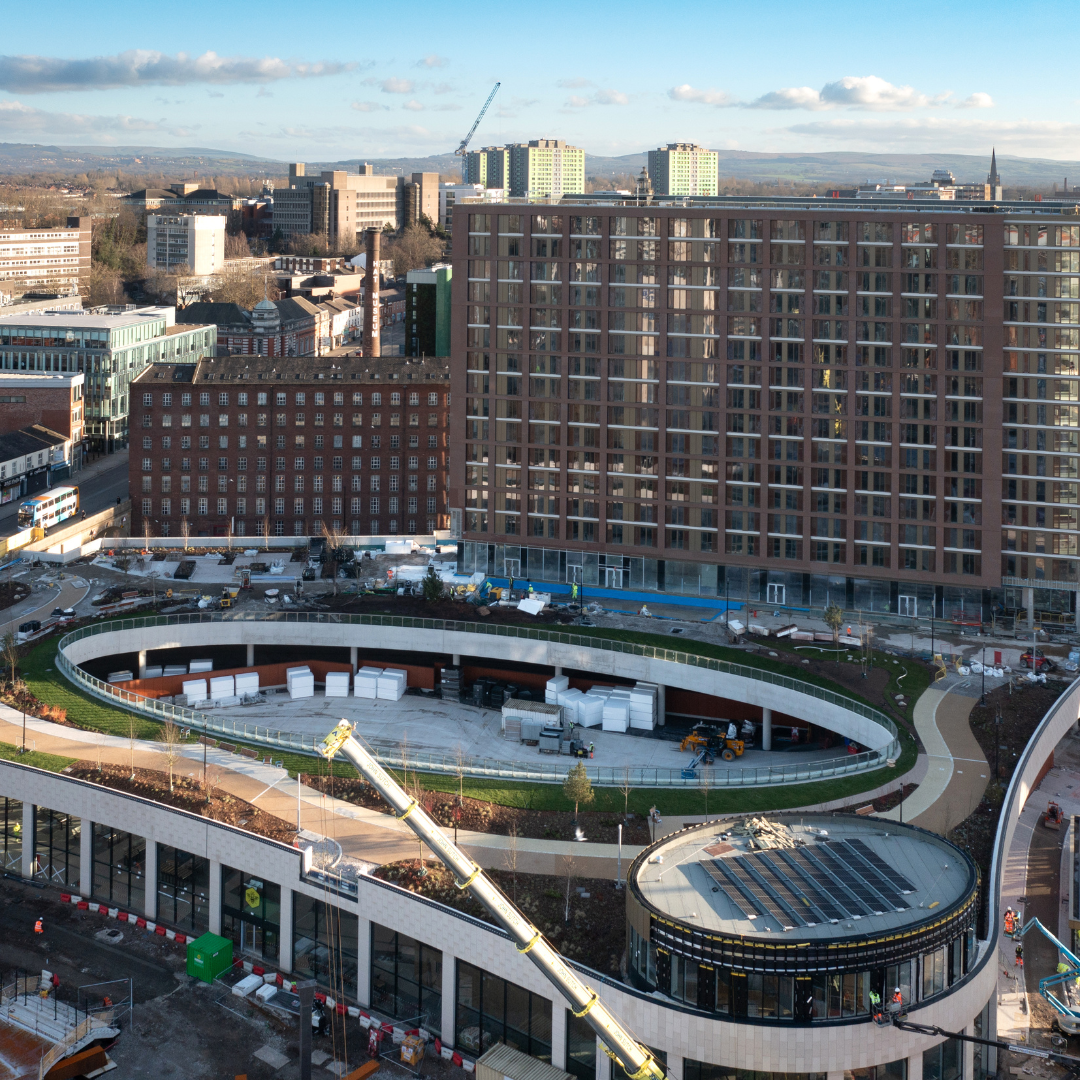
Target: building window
point(251, 913)
point(892, 1070)
point(702, 1070)
point(11, 839)
point(491, 1010)
point(944, 1061)
point(325, 944)
point(56, 847)
point(119, 868)
point(406, 978)
point(183, 889)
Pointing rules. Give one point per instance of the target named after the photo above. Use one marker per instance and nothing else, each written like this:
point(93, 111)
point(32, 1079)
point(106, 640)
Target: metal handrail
point(555, 772)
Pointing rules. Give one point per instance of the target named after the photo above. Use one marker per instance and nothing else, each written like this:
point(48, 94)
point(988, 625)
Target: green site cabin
point(208, 956)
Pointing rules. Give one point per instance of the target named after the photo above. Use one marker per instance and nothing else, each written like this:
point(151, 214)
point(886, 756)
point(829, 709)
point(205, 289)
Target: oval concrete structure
point(845, 716)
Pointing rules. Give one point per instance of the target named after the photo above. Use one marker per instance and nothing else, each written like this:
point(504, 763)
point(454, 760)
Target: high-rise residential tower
point(684, 169)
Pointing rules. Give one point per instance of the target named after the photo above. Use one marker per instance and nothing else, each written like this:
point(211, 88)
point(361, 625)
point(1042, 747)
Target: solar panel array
point(804, 886)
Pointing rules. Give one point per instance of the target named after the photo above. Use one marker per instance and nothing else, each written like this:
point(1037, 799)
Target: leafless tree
point(568, 867)
point(625, 788)
point(510, 857)
point(10, 645)
point(211, 781)
point(133, 730)
point(237, 246)
point(415, 248)
point(266, 532)
point(170, 742)
point(185, 530)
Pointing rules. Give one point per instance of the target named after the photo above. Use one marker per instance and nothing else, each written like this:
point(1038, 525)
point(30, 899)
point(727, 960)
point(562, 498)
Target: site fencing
point(553, 772)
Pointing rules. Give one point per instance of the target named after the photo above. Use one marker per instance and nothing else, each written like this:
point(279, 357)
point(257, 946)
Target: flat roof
point(83, 320)
point(39, 379)
point(829, 875)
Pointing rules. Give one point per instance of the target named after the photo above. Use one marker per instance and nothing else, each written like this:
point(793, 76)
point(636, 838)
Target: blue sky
point(336, 80)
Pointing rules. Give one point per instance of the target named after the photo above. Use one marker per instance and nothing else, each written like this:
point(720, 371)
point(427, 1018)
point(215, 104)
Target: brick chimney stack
point(372, 346)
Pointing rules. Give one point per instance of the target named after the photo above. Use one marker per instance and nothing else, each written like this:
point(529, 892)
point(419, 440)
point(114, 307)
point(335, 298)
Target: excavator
point(620, 1044)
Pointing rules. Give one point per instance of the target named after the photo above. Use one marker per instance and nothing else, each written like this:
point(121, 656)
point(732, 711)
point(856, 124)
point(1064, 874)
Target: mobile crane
point(636, 1060)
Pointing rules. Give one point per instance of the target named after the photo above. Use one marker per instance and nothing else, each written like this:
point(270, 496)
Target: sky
point(336, 81)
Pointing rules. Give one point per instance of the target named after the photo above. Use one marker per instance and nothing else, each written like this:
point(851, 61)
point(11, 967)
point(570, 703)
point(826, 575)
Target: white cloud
point(976, 101)
point(263, 92)
point(367, 106)
point(444, 88)
point(601, 97)
point(413, 106)
point(15, 117)
point(573, 84)
point(143, 67)
point(686, 92)
point(872, 92)
point(397, 86)
point(433, 60)
point(792, 97)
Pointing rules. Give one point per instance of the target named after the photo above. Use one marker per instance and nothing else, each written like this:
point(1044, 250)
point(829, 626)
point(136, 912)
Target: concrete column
point(558, 670)
point(86, 857)
point(363, 962)
point(915, 1067)
point(766, 729)
point(558, 1030)
point(455, 659)
point(285, 939)
point(142, 663)
point(969, 1055)
point(661, 704)
point(352, 658)
point(449, 996)
point(836, 1075)
point(150, 877)
point(1029, 605)
point(215, 897)
point(250, 662)
point(29, 838)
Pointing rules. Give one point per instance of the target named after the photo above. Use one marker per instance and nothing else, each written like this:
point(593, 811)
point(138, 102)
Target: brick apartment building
point(253, 445)
point(44, 261)
point(290, 327)
point(50, 399)
point(785, 401)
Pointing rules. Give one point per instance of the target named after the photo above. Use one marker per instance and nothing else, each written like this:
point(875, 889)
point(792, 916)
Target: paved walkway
point(42, 600)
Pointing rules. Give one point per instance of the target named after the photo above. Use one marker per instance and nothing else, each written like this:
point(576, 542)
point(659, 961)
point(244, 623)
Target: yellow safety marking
point(593, 999)
point(648, 1069)
point(527, 947)
point(469, 880)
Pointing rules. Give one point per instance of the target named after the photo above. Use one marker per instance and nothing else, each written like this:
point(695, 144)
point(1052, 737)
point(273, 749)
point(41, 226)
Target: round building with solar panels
point(801, 918)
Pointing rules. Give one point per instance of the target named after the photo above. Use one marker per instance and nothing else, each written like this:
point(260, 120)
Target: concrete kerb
point(850, 718)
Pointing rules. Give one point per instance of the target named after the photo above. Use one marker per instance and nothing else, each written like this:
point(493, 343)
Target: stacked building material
point(200, 665)
point(643, 706)
point(194, 690)
point(300, 682)
point(450, 683)
point(247, 682)
point(554, 687)
point(392, 683)
point(366, 682)
point(337, 684)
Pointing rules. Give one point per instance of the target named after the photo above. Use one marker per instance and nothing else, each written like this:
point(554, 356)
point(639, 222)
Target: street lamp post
point(982, 696)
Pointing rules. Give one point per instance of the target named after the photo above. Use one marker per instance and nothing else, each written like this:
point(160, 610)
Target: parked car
point(1042, 663)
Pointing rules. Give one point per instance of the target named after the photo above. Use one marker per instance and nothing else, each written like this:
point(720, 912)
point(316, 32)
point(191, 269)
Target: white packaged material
point(247, 682)
point(337, 684)
point(222, 686)
point(569, 700)
point(392, 685)
point(590, 711)
point(200, 665)
point(245, 986)
point(616, 716)
point(557, 683)
point(266, 991)
point(293, 672)
point(302, 687)
point(175, 669)
point(153, 673)
point(195, 690)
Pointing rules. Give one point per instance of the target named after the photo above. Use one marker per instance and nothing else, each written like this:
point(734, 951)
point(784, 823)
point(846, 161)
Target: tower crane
point(635, 1058)
point(460, 151)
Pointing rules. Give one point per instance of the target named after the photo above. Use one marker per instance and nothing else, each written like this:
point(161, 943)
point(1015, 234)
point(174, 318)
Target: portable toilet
point(208, 956)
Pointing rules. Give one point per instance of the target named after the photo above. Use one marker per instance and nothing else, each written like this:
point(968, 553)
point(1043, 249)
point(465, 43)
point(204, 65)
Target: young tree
point(169, 743)
point(266, 532)
point(10, 645)
point(834, 617)
point(510, 857)
point(185, 530)
point(133, 730)
point(568, 870)
point(432, 585)
point(577, 787)
point(625, 788)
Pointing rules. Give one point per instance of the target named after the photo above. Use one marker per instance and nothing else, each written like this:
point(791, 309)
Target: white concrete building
point(188, 244)
point(449, 194)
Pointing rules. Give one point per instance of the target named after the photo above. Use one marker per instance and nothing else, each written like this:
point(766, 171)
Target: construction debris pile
point(764, 834)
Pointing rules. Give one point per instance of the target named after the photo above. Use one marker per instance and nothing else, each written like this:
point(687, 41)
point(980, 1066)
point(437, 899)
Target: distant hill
point(839, 168)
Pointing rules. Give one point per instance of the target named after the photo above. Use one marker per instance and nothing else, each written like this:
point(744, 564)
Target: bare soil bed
point(419, 608)
point(476, 815)
point(187, 794)
point(593, 932)
point(11, 592)
point(882, 803)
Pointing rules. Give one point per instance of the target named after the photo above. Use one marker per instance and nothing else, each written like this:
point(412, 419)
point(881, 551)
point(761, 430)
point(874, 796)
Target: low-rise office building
point(254, 446)
point(109, 350)
point(44, 261)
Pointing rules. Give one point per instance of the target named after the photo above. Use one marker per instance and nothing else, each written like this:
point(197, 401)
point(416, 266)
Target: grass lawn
point(51, 762)
point(49, 685)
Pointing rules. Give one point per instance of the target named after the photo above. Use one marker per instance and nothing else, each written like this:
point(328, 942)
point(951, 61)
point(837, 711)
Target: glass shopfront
point(491, 1010)
point(119, 868)
point(325, 944)
point(251, 913)
point(11, 838)
point(56, 847)
point(183, 889)
point(406, 978)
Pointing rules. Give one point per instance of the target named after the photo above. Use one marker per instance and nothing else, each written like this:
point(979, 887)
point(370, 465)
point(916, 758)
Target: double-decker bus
point(45, 510)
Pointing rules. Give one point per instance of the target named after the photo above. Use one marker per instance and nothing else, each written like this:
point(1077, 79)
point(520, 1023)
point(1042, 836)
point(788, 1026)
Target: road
point(98, 493)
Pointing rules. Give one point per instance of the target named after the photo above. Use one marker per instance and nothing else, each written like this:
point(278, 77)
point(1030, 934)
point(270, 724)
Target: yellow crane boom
point(636, 1059)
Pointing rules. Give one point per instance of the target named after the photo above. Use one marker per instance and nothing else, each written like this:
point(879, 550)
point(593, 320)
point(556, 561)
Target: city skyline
point(284, 88)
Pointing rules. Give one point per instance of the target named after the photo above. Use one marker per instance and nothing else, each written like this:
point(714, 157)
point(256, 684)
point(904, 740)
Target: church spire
point(993, 179)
